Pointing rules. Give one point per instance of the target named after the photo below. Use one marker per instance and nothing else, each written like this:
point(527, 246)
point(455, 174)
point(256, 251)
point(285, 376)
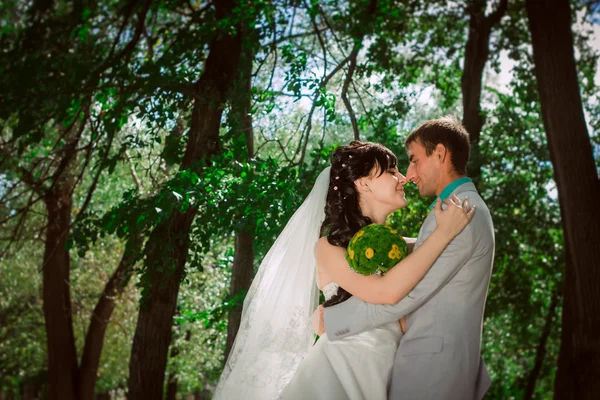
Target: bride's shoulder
point(324, 247)
point(322, 243)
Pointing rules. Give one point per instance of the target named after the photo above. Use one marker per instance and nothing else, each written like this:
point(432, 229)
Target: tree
point(476, 55)
point(49, 146)
point(167, 247)
point(576, 177)
point(242, 268)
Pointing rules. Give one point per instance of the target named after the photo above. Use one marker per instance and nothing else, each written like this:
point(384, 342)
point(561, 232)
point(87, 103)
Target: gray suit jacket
point(439, 356)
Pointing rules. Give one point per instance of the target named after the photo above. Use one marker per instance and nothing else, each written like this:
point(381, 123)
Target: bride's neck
point(376, 214)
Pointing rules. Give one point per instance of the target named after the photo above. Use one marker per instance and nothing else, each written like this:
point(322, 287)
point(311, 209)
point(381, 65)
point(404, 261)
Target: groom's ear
point(441, 153)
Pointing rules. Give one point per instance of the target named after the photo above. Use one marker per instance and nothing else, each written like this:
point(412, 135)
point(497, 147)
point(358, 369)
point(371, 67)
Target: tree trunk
point(541, 350)
point(241, 278)
point(241, 117)
point(172, 388)
point(62, 358)
point(578, 193)
point(167, 247)
point(476, 55)
point(94, 340)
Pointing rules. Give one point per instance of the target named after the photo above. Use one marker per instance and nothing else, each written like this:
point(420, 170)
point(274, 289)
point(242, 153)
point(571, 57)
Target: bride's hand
point(454, 218)
point(317, 322)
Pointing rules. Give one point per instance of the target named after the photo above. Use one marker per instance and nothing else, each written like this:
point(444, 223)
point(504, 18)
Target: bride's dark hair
point(343, 216)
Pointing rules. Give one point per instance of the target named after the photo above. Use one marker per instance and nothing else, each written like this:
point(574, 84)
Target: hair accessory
point(343, 165)
point(337, 177)
point(350, 156)
point(335, 188)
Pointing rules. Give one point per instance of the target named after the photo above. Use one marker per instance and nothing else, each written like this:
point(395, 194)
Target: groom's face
point(422, 170)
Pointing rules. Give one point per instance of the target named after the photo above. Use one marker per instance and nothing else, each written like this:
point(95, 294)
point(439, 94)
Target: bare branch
point(282, 39)
point(347, 81)
point(69, 150)
point(92, 188)
point(21, 210)
point(18, 229)
point(134, 175)
point(497, 15)
point(362, 103)
point(128, 12)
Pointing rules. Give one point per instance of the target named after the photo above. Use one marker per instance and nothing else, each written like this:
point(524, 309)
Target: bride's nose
point(401, 179)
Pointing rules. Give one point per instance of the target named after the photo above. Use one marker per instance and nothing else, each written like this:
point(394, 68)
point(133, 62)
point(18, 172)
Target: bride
point(273, 354)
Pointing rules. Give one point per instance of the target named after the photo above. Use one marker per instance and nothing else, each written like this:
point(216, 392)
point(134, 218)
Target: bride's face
point(385, 191)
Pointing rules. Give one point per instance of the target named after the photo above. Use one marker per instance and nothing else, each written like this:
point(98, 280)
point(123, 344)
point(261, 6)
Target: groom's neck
point(445, 180)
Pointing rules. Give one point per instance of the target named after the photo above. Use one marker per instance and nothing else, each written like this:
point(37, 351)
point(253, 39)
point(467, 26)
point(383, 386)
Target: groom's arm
point(354, 315)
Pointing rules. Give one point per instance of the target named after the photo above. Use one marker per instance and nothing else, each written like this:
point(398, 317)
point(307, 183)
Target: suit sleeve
point(355, 316)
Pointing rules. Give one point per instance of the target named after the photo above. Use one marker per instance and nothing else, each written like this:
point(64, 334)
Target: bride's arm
point(400, 280)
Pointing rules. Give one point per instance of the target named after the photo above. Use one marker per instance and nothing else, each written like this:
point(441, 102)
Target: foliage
point(122, 96)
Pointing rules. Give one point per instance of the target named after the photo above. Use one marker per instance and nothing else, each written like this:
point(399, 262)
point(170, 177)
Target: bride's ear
point(362, 184)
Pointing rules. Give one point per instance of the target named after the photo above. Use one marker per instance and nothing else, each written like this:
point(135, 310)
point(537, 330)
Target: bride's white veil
point(275, 332)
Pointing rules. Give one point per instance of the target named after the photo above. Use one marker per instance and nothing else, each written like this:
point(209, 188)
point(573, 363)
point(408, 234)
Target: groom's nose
point(410, 173)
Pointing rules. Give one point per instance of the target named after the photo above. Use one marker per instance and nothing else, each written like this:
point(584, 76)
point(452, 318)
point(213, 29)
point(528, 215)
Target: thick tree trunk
point(476, 55)
point(62, 358)
point(241, 278)
point(94, 340)
point(241, 117)
point(166, 251)
point(153, 332)
point(172, 388)
point(578, 193)
point(541, 349)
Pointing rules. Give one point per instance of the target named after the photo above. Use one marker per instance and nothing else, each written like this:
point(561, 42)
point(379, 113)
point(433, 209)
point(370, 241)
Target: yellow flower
point(369, 253)
point(358, 234)
point(351, 254)
point(394, 252)
point(392, 230)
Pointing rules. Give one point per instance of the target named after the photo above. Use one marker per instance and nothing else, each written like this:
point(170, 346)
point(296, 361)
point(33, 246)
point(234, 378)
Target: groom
point(439, 355)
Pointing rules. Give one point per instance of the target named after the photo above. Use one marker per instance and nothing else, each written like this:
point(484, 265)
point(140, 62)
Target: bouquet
point(375, 249)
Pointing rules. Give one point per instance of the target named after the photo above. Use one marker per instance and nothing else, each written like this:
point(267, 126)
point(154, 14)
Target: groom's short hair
point(447, 131)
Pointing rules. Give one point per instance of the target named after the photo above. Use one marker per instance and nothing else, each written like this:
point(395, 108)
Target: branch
point(321, 43)
point(21, 210)
point(347, 81)
point(363, 105)
point(316, 31)
point(126, 52)
point(128, 11)
point(92, 188)
point(337, 40)
point(88, 156)
point(497, 15)
point(17, 229)
point(134, 175)
point(25, 175)
point(139, 29)
point(69, 150)
point(306, 133)
point(281, 147)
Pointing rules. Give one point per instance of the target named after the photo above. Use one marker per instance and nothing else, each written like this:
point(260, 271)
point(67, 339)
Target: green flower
point(375, 249)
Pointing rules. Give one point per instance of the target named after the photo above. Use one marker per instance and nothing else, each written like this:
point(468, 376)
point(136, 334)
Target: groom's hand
point(318, 324)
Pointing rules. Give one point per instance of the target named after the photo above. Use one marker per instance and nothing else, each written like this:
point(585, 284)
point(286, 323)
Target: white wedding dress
point(357, 367)
point(273, 355)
